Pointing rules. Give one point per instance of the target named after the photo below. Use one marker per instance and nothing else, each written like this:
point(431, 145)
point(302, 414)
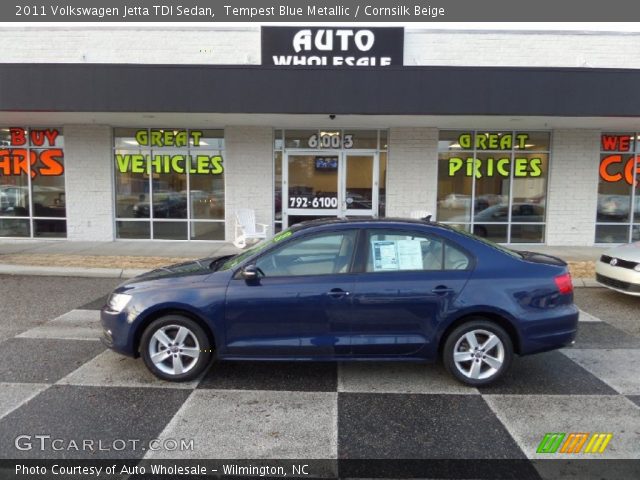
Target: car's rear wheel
point(478, 352)
point(175, 348)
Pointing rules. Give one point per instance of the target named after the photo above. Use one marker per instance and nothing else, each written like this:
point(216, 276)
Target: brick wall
point(88, 159)
point(412, 180)
point(151, 45)
point(241, 45)
point(522, 48)
point(248, 173)
point(573, 187)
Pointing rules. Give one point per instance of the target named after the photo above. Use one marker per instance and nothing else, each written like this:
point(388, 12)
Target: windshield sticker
point(282, 236)
point(385, 256)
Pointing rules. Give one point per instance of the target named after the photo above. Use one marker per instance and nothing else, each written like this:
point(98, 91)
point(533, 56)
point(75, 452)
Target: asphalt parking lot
point(56, 379)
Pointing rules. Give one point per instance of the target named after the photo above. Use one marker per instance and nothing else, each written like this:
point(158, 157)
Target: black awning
point(383, 91)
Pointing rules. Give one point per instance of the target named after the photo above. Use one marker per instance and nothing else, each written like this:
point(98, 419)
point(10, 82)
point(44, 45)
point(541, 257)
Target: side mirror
point(250, 273)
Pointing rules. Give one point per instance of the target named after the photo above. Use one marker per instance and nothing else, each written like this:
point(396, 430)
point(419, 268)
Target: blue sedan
point(342, 290)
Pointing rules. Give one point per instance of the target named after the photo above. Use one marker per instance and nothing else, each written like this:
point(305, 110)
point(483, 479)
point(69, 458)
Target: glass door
point(310, 186)
point(360, 184)
point(330, 183)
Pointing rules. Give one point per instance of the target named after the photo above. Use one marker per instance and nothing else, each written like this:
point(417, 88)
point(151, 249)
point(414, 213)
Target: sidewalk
point(121, 259)
point(125, 259)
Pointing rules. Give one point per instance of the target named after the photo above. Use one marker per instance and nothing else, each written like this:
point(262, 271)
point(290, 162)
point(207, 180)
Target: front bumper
point(624, 280)
point(117, 333)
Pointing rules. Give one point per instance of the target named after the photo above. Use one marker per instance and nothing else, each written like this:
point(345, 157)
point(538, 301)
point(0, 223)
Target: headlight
point(117, 301)
point(637, 268)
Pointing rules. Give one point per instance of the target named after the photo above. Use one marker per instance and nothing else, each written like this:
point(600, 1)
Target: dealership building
point(164, 133)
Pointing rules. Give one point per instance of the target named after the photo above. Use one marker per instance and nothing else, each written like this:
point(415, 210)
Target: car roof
point(359, 221)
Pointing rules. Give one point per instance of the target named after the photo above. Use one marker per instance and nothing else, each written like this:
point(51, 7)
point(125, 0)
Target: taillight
point(564, 283)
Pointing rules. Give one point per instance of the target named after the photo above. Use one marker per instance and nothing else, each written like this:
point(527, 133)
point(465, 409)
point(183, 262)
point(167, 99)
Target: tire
point(168, 361)
point(477, 371)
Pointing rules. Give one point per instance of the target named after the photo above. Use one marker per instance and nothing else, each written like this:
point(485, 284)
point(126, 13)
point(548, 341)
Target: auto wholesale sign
point(336, 47)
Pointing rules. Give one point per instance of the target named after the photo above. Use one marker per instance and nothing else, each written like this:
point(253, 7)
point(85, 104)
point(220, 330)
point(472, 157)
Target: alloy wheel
point(174, 349)
point(479, 354)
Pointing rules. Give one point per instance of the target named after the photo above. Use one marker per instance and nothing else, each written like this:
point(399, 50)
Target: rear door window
point(390, 250)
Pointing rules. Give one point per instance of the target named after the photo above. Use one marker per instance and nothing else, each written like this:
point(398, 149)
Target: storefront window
point(166, 177)
point(32, 183)
point(618, 210)
point(494, 184)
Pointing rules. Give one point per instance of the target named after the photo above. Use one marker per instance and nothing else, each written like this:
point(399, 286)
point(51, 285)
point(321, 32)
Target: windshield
point(489, 243)
point(241, 257)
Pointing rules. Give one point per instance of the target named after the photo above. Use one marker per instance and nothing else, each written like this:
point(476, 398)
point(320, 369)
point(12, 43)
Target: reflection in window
point(490, 183)
point(36, 208)
point(166, 177)
point(322, 254)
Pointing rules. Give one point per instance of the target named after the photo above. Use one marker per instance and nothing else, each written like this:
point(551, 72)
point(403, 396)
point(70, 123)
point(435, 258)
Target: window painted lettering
point(615, 168)
point(16, 161)
point(196, 164)
point(493, 141)
point(490, 167)
point(616, 143)
point(168, 138)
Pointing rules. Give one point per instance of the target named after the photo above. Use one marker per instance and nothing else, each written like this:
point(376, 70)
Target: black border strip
point(521, 469)
point(572, 92)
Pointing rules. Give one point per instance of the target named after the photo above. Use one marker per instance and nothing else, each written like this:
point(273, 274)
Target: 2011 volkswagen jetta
point(342, 290)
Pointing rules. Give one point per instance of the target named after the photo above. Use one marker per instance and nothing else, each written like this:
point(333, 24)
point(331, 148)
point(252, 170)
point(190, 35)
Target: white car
point(619, 269)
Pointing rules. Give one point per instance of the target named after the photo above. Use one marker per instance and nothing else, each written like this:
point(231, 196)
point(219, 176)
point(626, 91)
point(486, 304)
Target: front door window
point(319, 255)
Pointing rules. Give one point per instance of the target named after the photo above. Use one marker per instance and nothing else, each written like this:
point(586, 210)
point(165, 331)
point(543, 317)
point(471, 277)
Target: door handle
point(441, 290)
point(337, 293)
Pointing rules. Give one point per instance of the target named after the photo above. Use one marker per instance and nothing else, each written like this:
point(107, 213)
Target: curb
point(586, 282)
point(9, 269)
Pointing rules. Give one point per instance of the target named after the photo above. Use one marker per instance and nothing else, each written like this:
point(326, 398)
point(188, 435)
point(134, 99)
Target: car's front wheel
point(478, 352)
point(175, 348)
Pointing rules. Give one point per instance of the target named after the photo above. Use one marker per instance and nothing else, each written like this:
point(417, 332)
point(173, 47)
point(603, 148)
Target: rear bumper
point(551, 333)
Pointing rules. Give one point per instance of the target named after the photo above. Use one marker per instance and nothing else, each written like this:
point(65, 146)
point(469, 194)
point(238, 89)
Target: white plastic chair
point(247, 228)
point(420, 214)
